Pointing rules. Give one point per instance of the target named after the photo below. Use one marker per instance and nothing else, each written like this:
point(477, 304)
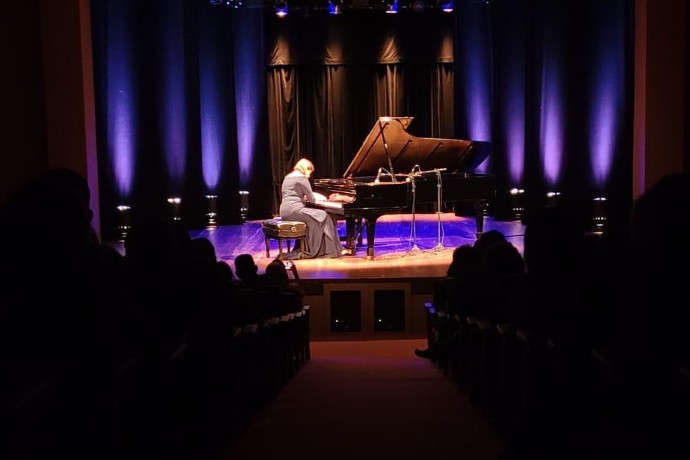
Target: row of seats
point(559, 400)
point(176, 408)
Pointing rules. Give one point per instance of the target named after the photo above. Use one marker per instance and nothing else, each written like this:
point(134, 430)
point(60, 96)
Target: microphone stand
point(415, 249)
point(416, 172)
point(439, 242)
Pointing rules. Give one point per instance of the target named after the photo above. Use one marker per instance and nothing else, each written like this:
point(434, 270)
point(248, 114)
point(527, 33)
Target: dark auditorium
point(337, 229)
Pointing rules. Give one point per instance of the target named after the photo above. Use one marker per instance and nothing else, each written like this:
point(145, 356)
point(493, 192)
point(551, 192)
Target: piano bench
point(284, 230)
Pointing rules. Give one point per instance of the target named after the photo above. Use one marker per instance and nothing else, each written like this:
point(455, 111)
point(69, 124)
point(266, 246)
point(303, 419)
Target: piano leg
point(371, 230)
point(480, 207)
point(350, 234)
point(358, 228)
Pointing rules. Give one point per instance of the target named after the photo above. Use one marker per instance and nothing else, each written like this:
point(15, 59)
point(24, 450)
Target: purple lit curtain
point(549, 84)
point(166, 125)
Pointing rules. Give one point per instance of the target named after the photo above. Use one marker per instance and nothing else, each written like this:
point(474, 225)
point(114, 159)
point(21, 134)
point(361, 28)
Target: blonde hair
point(304, 165)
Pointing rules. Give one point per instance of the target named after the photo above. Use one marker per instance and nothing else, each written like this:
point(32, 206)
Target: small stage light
point(517, 200)
point(599, 213)
point(335, 7)
point(244, 204)
point(211, 210)
point(447, 6)
point(229, 3)
point(392, 7)
point(553, 198)
point(281, 8)
point(175, 203)
point(124, 221)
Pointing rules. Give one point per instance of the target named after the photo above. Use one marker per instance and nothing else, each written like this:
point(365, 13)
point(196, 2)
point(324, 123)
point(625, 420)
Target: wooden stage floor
point(394, 256)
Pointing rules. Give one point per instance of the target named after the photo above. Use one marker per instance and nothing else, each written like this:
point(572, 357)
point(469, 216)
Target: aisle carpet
point(365, 399)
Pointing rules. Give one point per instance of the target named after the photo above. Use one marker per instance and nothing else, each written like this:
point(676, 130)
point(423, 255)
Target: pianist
point(322, 234)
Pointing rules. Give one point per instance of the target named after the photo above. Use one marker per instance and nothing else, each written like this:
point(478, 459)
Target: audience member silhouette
point(558, 260)
point(247, 271)
point(91, 341)
point(655, 411)
point(53, 322)
point(276, 274)
point(457, 295)
point(486, 240)
point(158, 288)
point(505, 269)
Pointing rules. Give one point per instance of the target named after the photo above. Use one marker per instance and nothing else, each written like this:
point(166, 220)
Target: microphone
point(415, 171)
point(379, 173)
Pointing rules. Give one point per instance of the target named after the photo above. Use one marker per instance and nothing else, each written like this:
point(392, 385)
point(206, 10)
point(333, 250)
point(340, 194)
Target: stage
point(361, 298)
point(395, 252)
point(356, 297)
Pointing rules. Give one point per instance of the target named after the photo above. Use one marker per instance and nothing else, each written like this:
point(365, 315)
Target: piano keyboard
point(328, 206)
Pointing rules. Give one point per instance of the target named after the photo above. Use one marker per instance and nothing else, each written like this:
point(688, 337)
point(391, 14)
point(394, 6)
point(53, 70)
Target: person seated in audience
point(277, 280)
point(276, 274)
point(452, 295)
point(54, 327)
point(505, 269)
point(485, 241)
point(657, 351)
point(203, 252)
point(247, 271)
point(219, 305)
point(158, 286)
point(558, 261)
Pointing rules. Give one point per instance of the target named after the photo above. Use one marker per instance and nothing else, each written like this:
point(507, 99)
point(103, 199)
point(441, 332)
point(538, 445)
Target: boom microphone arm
point(385, 148)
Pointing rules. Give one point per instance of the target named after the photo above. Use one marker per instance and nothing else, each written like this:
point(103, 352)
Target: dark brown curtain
point(282, 120)
point(329, 83)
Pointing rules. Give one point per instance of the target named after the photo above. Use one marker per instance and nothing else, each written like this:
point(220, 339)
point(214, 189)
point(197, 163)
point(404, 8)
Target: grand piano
point(395, 172)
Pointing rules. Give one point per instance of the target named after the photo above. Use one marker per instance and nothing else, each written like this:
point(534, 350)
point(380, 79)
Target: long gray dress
point(322, 234)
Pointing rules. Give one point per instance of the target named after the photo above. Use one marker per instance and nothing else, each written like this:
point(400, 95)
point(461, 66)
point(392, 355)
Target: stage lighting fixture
point(211, 210)
point(124, 221)
point(517, 200)
point(229, 3)
point(418, 6)
point(599, 213)
point(392, 7)
point(447, 6)
point(335, 7)
point(553, 198)
point(281, 8)
point(244, 204)
point(175, 203)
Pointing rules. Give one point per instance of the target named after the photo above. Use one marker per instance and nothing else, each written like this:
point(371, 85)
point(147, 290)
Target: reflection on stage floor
point(400, 252)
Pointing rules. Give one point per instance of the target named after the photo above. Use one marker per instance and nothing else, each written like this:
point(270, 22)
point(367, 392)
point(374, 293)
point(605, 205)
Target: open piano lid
point(406, 151)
